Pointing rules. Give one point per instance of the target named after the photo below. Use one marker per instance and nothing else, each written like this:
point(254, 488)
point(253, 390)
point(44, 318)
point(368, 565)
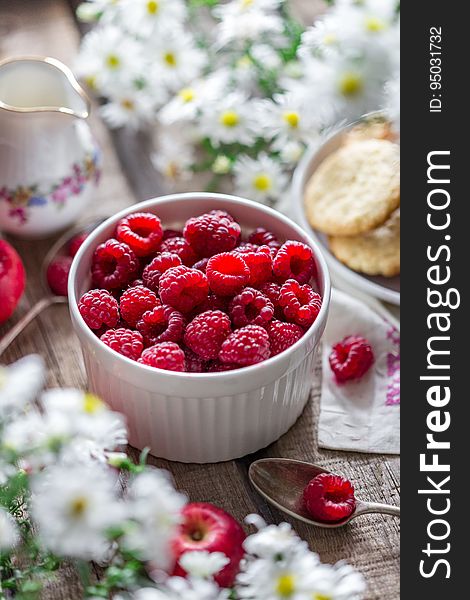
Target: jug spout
point(33, 84)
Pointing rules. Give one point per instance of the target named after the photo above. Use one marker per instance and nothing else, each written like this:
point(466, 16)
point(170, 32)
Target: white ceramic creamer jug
point(49, 161)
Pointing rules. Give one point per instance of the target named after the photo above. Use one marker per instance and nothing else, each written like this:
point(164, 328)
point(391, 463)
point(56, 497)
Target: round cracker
point(355, 189)
point(374, 253)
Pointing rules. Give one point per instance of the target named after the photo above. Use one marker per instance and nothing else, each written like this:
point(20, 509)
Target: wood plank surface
point(371, 543)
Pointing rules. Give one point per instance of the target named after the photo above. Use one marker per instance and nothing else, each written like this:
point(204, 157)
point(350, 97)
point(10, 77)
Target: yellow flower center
point(78, 506)
point(171, 170)
point(229, 118)
point(187, 95)
point(244, 62)
point(152, 7)
point(374, 24)
point(285, 586)
point(292, 119)
point(170, 59)
point(329, 39)
point(90, 80)
point(247, 3)
point(92, 404)
point(321, 597)
point(113, 61)
point(262, 182)
point(351, 84)
point(127, 104)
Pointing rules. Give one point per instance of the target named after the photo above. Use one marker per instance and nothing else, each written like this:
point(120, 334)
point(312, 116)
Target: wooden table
point(371, 543)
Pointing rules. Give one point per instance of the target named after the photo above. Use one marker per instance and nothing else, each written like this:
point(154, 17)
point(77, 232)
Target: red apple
point(206, 527)
point(12, 280)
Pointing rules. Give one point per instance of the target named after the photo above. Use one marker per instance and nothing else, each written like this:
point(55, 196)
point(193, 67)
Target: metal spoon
point(281, 481)
point(58, 249)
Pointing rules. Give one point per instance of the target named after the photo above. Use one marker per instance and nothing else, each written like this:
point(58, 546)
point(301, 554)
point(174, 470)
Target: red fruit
point(221, 214)
point(161, 324)
point(206, 333)
point(246, 346)
point(171, 233)
point(113, 265)
point(141, 231)
point(211, 234)
point(208, 528)
point(246, 247)
point(135, 301)
point(179, 246)
point(58, 274)
point(351, 358)
point(125, 341)
point(76, 242)
point(251, 307)
point(263, 237)
point(194, 363)
point(161, 263)
point(167, 356)
point(201, 264)
point(283, 335)
point(99, 308)
point(272, 291)
point(12, 280)
point(183, 288)
point(329, 498)
point(299, 303)
point(227, 274)
point(294, 260)
point(260, 264)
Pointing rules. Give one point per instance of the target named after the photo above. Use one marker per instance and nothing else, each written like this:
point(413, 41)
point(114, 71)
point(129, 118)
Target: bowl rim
point(152, 203)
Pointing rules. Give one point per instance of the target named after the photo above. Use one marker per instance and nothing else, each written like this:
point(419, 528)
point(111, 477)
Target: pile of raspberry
point(200, 300)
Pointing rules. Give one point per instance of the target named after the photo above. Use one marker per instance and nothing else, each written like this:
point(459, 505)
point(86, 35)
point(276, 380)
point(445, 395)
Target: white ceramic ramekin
point(192, 417)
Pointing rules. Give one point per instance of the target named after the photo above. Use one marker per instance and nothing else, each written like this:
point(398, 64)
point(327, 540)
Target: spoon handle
point(376, 507)
point(26, 319)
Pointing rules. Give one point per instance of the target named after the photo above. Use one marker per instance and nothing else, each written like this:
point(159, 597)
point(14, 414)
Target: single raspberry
point(171, 233)
point(201, 265)
point(251, 307)
point(294, 260)
point(215, 366)
point(263, 237)
point(135, 301)
point(161, 324)
point(283, 335)
point(76, 242)
point(212, 302)
point(183, 288)
point(299, 303)
point(272, 291)
point(179, 246)
point(194, 362)
point(260, 264)
point(99, 308)
point(113, 265)
point(227, 273)
point(329, 498)
point(245, 346)
point(57, 274)
point(12, 280)
point(351, 358)
point(211, 234)
point(161, 263)
point(141, 231)
point(166, 355)
point(206, 333)
point(221, 214)
point(125, 341)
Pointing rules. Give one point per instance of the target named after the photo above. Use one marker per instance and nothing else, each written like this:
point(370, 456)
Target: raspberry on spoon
point(57, 274)
point(329, 498)
point(351, 358)
point(12, 280)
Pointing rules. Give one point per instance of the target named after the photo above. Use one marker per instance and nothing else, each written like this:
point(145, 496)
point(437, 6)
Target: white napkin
point(363, 415)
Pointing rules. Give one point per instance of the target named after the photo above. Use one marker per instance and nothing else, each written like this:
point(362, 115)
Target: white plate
point(384, 288)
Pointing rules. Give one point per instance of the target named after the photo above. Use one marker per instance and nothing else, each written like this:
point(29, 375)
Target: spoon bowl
point(281, 481)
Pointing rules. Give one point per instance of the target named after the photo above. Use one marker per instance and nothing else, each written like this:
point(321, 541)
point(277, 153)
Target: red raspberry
point(183, 288)
point(227, 274)
point(294, 260)
point(221, 214)
point(260, 264)
point(113, 265)
point(299, 303)
point(58, 274)
point(329, 498)
point(166, 355)
point(12, 280)
point(141, 231)
point(213, 302)
point(171, 233)
point(351, 358)
point(201, 264)
point(283, 335)
point(206, 333)
point(194, 363)
point(75, 243)
point(161, 324)
point(272, 291)
point(125, 341)
point(135, 301)
point(263, 237)
point(246, 247)
point(211, 234)
point(251, 307)
point(99, 308)
point(215, 366)
point(179, 246)
point(245, 346)
point(161, 263)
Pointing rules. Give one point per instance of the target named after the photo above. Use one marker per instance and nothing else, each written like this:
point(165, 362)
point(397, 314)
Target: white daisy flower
point(175, 154)
point(20, 384)
point(266, 56)
point(73, 507)
point(155, 509)
point(177, 588)
point(259, 179)
point(273, 540)
point(392, 102)
point(129, 107)
point(9, 535)
point(291, 152)
point(149, 17)
point(202, 564)
point(97, 10)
